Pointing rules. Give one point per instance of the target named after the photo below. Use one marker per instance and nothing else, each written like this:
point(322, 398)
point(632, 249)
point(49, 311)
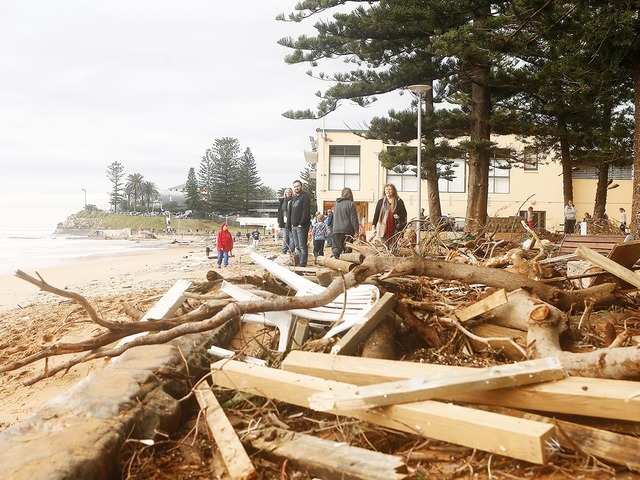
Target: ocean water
point(28, 243)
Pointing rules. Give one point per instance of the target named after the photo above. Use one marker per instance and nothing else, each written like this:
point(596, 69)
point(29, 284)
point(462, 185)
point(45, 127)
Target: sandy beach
point(30, 319)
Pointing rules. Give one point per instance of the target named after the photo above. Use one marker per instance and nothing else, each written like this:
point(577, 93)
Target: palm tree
point(149, 193)
point(133, 187)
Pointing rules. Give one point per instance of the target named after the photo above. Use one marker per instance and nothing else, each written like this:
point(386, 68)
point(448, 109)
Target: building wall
point(544, 184)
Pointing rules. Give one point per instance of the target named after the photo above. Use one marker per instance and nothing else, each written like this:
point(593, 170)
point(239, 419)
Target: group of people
point(338, 224)
point(570, 218)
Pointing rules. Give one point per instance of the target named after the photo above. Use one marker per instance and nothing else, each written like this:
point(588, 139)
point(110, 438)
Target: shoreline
point(108, 273)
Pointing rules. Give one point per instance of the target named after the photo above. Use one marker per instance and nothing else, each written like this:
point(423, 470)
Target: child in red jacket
point(224, 245)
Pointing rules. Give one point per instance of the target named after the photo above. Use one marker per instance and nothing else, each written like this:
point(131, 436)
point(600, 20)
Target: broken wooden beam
point(609, 446)
point(335, 264)
point(423, 388)
point(517, 438)
point(482, 306)
point(327, 459)
point(608, 265)
point(595, 397)
point(348, 344)
point(233, 454)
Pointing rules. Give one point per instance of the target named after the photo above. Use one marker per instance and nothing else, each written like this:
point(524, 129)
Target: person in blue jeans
point(283, 217)
point(299, 218)
point(224, 245)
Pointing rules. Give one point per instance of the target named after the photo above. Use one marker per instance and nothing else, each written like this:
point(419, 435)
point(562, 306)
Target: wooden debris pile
point(479, 354)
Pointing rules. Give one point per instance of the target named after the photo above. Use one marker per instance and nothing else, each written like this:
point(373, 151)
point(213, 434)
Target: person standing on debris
point(320, 231)
point(569, 217)
point(224, 245)
point(287, 240)
point(390, 216)
point(531, 218)
point(345, 221)
point(623, 220)
point(299, 220)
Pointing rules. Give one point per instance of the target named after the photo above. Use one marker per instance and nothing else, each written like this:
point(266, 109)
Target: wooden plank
point(609, 446)
point(163, 308)
point(498, 331)
point(348, 344)
point(482, 306)
point(596, 397)
point(328, 459)
point(421, 388)
point(233, 453)
point(609, 265)
point(559, 258)
point(626, 254)
point(441, 421)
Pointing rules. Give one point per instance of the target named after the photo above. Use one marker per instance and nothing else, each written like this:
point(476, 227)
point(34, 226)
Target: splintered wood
point(501, 434)
point(421, 388)
point(327, 459)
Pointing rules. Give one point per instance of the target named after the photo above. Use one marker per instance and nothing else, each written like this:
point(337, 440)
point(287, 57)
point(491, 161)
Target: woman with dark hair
point(345, 221)
point(390, 216)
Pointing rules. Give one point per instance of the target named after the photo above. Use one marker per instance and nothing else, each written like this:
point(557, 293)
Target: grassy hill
point(102, 220)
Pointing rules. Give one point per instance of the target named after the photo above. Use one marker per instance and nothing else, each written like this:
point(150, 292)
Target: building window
point(616, 172)
point(500, 171)
point(456, 183)
point(531, 159)
point(344, 167)
point(404, 178)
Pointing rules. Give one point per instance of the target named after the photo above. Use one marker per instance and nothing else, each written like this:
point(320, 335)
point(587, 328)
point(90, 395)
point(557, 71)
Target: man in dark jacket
point(283, 216)
point(345, 221)
point(299, 220)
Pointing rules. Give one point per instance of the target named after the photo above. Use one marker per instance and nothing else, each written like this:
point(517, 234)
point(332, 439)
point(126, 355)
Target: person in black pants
point(299, 220)
point(345, 221)
point(287, 239)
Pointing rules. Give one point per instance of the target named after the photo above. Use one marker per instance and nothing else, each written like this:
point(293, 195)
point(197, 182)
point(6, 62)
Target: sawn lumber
point(233, 454)
point(425, 388)
point(595, 397)
point(500, 434)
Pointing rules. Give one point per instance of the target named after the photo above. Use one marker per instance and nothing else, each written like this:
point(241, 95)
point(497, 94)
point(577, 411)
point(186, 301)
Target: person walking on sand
point(328, 221)
point(623, 220)
point(299, 220)
point(319, 231)
point(255, 238)
point(224, 245)
point(287, 239)
point(345, 221)
point(390, 216)
point(569, 217)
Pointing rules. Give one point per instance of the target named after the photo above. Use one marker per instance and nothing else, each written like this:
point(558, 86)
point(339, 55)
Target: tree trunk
point(478, 182)
point(635, 206)
point(431, 164)
point(600, 206)
point(565, 158)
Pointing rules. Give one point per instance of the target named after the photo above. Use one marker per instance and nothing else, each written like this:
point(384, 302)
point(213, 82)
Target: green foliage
point(133, 190)
point(192, 191)
point(249, 183)
point(148, 194)
point(115, 174)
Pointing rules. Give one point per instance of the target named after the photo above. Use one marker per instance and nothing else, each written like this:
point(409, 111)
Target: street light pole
point(419, 90)
point(85, 198)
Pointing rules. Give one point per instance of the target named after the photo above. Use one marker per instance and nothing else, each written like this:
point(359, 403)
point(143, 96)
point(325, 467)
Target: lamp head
point(419, 89)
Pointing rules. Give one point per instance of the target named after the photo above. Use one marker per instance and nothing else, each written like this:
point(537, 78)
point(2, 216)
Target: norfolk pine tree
point(249, 182)
point(225, 154)
point(192, 191)
point(206, 182)
point(115, 174)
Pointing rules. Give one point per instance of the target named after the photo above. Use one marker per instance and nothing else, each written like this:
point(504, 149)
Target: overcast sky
point(150, 84)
